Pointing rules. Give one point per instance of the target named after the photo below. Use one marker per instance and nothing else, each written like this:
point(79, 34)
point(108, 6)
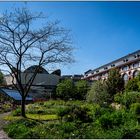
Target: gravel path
point(3, 135)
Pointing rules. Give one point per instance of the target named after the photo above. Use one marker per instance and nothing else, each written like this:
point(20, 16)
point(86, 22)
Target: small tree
point(114, 83)
point(132, 85)
point(98, 93)
point(65, 89)
point(81, 89)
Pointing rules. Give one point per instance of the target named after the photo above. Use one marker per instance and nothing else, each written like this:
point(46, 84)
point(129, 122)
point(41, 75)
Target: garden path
point(3, 135)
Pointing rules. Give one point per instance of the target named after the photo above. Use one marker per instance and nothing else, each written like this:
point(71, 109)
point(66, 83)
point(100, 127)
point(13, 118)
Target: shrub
point(127, 98)
point(16, 112)
point(133, 133)
point(80, 113)
point(20, 129)
point(62, 112)
point(75, 113)
point(113, 119)
point(135, 108)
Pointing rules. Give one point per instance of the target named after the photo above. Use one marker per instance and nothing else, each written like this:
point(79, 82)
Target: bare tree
point(24, 42)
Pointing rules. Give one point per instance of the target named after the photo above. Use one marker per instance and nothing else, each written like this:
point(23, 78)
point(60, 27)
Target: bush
point(127, 98)
point(62, 112)
point(113, 119)
point(20, 129)
point(16, 112)
point(133, 133)
point(135, 108)
point(75, 113)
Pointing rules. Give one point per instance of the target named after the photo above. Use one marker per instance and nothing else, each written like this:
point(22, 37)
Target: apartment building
point(128, 65)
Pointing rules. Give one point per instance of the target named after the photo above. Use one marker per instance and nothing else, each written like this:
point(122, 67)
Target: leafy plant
point(127, 98)
point(65, 90)
point(132, 85)
point(16, 112)
point(114, 83)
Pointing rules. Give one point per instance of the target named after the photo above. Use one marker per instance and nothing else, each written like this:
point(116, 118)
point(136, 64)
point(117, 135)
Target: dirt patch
point(3, 135)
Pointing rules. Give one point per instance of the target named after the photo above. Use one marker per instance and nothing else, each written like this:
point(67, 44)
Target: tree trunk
point(23, 107)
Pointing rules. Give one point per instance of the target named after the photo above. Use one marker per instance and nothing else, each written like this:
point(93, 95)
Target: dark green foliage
point(132, 85)
point(110, 120)
point(16, 112)
point(98, 93)
point(135, 109)
point(127, 98)
point(20, 129)
point(6, 103)
point(133, 133)
point(80, 120)
point(81, 90)
point(114, 83)
point(65, 90)
point(75, 113)
point(62, 112)
point(2, 81)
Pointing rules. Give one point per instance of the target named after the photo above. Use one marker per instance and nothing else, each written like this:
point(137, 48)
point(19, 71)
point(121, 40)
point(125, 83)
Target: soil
point(3, 135)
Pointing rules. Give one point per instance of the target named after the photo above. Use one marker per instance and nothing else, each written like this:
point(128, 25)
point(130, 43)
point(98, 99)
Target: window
point(135, 73)
point(105, 68)
point(136, 65)
point(125, 68)
point(97, 71)
point(125, 60)
point(112, 65)
point(125, 77)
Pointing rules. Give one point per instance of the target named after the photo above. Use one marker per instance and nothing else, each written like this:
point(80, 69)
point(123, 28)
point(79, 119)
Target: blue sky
point(102, 31)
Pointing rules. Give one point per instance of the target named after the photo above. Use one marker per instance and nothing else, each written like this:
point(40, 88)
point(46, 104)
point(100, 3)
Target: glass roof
point(14, 94)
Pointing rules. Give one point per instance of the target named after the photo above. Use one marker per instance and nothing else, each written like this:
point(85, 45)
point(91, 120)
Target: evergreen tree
point(65, 89)
point(114, 83)
point(81, 89)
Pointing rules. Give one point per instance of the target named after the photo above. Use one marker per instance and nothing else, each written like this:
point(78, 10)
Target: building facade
point(128, 65)
point(74, 78)
point(43, 84)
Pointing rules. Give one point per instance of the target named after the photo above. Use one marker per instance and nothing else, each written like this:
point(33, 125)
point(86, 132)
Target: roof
point(13, 94)
point(33, 68)
point(138, 51)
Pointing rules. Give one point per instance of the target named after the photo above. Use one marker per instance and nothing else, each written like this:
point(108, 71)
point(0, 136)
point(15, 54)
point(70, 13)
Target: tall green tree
point(114, 83)
point(65, 89)
point(81, 89)
point(98, 93)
